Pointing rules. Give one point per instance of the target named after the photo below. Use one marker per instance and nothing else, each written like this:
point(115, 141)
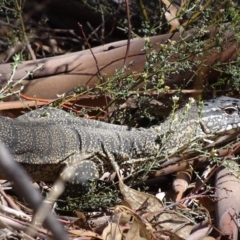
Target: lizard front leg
point(78, 176)
point(82, 168)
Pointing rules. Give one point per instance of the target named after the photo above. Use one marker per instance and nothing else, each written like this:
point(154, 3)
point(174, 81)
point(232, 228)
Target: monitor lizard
point(50, 142)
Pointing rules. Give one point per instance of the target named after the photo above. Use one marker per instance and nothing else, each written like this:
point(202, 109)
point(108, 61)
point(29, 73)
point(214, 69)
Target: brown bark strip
point(62, 74)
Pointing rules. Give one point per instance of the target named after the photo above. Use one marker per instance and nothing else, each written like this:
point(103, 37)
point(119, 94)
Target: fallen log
point(62, 74)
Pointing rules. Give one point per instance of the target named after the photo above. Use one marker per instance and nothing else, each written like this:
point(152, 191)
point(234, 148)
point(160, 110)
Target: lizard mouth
point(230, 128)
point(204, 127)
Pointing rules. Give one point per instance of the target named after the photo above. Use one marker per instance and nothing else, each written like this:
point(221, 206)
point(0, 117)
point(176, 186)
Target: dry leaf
point(134, 232)
point(81, 221)
point(112, 232)
point(171, 14)
point(138, 230)
point(82, 233)
point(168, 220)
point(135, 198)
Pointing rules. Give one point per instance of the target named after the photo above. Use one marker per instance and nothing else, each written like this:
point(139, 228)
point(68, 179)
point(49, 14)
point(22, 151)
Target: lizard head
point(220, 116)
point(207, 120)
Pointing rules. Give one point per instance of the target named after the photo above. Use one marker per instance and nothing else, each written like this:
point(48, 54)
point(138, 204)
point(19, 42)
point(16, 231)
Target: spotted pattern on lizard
point(46, 144)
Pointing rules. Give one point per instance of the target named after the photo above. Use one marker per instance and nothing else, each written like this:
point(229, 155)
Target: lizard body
point(44, 147)
point(45, 144)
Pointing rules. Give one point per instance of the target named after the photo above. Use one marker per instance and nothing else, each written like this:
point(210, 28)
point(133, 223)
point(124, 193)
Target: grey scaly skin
point(208, 121)
point(215, 117)
point(61, 116)
point(57, 142)
point(44, 147)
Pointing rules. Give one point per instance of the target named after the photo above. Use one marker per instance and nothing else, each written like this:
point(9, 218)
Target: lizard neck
point(179, 130)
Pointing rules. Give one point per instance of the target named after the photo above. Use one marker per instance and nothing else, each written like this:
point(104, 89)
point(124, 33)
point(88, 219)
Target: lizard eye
point(230, 110)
